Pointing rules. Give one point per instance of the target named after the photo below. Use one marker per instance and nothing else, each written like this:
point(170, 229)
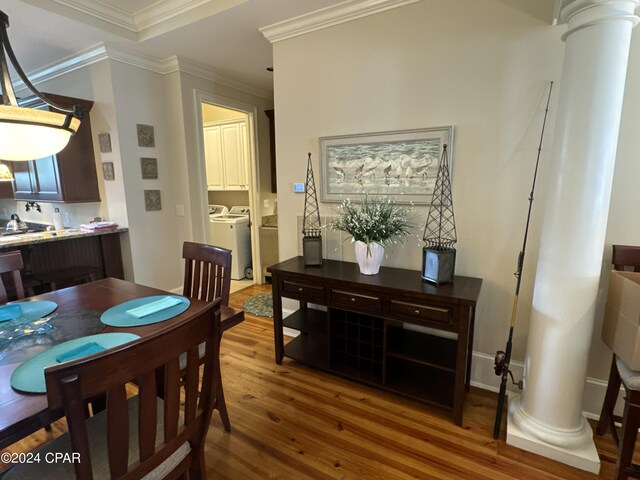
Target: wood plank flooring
point(291, 422)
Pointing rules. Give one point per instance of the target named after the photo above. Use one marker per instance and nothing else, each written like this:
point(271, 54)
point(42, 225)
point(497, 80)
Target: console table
point(373, 328)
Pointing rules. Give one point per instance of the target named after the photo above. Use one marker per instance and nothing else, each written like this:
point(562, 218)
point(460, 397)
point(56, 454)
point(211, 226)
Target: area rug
point(260, 304)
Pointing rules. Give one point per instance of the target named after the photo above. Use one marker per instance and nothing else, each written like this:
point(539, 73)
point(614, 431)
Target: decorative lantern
point(311, 226)
point(438, 254)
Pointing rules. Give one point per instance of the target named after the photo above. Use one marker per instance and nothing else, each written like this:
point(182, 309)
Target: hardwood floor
point(292, 422)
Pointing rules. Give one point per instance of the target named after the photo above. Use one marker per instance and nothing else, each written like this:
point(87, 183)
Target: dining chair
point(11, 262)
point(625, 257)
point(207, 276)
point(143, 436)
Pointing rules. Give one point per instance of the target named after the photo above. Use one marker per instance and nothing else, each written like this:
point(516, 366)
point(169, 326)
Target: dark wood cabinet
point(373, 330)
point(67, 177)
point(272, 148)
point(6, 190)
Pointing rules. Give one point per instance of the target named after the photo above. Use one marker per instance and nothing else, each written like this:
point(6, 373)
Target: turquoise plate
point(29, 376)
point(29, 311)
point(117, 316)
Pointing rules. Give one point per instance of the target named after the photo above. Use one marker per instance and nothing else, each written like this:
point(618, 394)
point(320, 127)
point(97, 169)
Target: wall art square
point(104, 139)
point(145, 135)
point(400, 164)
point(149, 167)
point(107, 171)
point(152, 201)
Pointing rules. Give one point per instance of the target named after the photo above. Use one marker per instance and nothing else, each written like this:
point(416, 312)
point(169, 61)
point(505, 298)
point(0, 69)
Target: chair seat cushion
point(631, 378)
point(96, 428)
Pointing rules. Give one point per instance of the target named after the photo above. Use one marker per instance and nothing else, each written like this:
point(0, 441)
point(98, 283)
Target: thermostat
point(298, 187)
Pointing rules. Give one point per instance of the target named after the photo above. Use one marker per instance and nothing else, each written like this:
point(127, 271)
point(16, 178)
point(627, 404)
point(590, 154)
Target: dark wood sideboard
point(368, 332)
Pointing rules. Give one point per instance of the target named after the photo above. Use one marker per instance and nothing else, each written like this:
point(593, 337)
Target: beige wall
point(478, 65)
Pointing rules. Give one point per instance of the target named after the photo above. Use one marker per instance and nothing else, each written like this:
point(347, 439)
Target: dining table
point(78, 313)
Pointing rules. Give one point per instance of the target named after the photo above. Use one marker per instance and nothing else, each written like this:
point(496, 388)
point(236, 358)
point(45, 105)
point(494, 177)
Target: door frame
point(253, 165)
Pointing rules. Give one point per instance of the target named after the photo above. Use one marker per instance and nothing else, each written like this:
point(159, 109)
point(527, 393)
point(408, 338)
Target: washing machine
point(217, 210)
point(232, 230)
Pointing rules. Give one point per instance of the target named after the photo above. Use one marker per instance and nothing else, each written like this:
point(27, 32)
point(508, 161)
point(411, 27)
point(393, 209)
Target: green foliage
point(372, 220)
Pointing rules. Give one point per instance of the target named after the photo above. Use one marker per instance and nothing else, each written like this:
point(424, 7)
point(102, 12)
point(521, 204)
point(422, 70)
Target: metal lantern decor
point(311, 226)
point(438, 254)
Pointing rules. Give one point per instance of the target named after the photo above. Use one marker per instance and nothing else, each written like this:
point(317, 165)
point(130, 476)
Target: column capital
point(579, 14)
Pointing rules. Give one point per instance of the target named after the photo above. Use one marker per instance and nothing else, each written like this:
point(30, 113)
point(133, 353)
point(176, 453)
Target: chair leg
point(221, 404)
point(630, 424)
point(613, 388)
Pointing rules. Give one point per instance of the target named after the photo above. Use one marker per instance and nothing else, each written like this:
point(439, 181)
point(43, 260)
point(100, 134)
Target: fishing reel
point(500, 366)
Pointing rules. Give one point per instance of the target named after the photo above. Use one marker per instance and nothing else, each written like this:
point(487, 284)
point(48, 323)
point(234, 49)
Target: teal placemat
point(29, 376)
point(118, 317)
point(26, 311)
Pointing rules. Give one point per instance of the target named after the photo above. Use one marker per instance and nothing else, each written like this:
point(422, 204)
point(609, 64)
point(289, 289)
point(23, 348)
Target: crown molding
point(328, 17)
point(101, 11)
point(169, 65)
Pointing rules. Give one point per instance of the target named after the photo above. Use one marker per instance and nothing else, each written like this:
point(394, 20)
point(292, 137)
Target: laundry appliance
point(232, 230)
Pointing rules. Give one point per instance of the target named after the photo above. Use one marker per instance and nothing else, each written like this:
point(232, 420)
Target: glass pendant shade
point(29, 133)
point(5, 173)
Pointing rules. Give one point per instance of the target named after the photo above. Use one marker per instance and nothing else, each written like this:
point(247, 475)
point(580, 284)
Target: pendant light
point(5, 173)
point(30, 133)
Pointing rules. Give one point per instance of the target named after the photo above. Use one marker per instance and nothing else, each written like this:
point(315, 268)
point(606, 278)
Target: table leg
point(277, 321)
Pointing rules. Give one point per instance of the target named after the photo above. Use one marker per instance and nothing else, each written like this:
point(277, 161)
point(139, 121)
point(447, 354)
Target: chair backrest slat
point(171, 399)
point(147, 414)
point(11, 262)
point(191, 392)
point(207, 272)
point(118, 430)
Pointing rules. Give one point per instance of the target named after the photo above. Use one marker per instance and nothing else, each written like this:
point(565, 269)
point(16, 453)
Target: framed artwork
point(107, 171)
point(145, 135)
point(149, 167)
point(401, 164)
point(104, 139)
point(152, 200)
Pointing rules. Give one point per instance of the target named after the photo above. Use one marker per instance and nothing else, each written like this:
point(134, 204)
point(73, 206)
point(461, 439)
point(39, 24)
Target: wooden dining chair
point(11, 262)
point(143, 436)
point(207, 276)
point(625, 257)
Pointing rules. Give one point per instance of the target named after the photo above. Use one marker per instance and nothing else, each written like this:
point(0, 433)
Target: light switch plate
point(298, 187)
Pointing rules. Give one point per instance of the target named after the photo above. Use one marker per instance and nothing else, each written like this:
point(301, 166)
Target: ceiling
point(220, 34)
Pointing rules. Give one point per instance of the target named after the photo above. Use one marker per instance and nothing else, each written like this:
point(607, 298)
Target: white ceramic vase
point(369, 259)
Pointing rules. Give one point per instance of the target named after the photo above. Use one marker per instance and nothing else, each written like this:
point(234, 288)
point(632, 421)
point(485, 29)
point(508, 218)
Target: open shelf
point(310, 349)
point(307, 321)
point(422, 348)
point(420, 382)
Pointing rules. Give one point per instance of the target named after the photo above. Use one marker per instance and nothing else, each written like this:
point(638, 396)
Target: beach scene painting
point(402, 164)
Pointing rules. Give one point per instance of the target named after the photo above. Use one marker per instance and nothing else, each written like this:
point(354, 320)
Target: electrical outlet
point(265, 203)
point(180, 210)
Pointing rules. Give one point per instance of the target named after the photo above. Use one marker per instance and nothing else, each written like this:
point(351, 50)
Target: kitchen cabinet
point(392, 331)
point(225, 148)
point(66, 177)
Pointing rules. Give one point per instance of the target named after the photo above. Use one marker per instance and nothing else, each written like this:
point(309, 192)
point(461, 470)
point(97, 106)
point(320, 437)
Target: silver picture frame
point(400, 164)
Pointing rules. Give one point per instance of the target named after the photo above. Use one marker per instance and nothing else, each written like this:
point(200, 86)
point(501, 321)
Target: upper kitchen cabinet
point(70, 175)
point(225, 147)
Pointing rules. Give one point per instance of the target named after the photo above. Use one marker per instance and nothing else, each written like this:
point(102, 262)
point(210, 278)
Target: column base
point(576, 451)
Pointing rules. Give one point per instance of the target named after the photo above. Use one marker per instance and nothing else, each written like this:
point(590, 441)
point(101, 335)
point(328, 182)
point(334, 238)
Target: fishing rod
point(503, 358)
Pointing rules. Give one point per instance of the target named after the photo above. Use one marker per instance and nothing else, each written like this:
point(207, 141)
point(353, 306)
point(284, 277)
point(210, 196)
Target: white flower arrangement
point(372, 220)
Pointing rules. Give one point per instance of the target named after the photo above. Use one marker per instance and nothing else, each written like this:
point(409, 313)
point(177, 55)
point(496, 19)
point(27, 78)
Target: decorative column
point(547, 417)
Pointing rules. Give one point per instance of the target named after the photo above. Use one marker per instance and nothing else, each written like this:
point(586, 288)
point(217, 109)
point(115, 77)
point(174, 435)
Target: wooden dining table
point(21, 414)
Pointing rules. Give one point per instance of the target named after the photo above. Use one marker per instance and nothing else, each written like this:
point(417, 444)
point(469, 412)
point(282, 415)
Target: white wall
point(478, 65)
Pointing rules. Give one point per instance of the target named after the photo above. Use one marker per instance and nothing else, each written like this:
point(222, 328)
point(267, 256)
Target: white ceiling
point(221, 34)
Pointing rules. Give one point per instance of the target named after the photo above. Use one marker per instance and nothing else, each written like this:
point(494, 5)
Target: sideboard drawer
point(356, 300)
point(431, 313)
point(310, 292)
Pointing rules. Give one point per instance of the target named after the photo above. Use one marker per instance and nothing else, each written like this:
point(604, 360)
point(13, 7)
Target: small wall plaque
point(145, 135)
point(152, 201)
point(104, 139)
point(108, 171)
point(149, 167)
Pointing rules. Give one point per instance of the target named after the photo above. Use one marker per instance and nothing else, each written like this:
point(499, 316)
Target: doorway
point(228, 158)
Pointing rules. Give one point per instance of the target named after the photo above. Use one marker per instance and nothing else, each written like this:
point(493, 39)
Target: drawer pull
point(416, 311)
point(300, 289)
point(353, 299)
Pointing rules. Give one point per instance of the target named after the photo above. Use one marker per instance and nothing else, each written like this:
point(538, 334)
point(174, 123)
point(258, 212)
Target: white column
point(547, 417)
